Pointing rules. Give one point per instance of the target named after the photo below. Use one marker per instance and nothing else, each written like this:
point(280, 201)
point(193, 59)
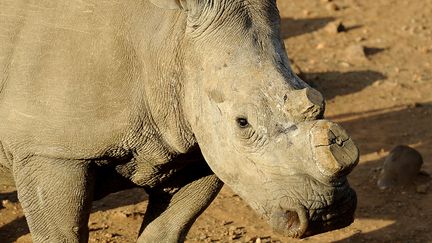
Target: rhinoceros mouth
point(336, 216)
point(306, 219)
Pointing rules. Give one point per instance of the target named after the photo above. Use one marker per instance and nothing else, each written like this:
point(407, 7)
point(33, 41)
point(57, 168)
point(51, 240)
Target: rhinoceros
point(173, 96)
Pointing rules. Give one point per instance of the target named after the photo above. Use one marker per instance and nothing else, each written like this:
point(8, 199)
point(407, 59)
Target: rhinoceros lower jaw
point(336, 216)
point(305, 220)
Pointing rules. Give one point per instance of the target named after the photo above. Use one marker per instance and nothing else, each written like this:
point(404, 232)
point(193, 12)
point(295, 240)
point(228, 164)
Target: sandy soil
point(377, 78)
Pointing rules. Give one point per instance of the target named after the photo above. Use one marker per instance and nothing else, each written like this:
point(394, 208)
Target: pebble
point(377, 83)
point(250, 239)
point(345, 64)
point(5, 203)
point(360, 39)
point(356, 52)
point(332, 6)
point(400, 167)
point(320, 46)
point(335, 27)
point(231, 230)
point(423, 188)
point(224, 223)
point(121, 215)
point(202, 236)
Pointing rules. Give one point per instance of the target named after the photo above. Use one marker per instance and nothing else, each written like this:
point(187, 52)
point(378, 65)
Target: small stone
point(266, 239)
point(345, 64)
point(202, 236)
point(224, 223)
point(320, 46)
point(235, 237)
point(360, 39)
point(250, 239)
point(356, 52)
point(5, 203)
point(231, 230)
point(306, 12)
point(377, 83)
point(258, 240)
point(111, 235)
point(335, 27)
point(120, 215)
point(332, 6)
point(423, 188)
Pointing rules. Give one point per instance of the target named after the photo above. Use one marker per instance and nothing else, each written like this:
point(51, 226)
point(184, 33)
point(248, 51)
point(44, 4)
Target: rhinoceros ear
point(167, 4)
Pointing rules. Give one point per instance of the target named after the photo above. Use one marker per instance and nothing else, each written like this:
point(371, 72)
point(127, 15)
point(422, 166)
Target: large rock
point(400, 167)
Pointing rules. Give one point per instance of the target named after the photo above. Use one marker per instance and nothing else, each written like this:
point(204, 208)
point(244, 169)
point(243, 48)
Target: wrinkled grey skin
point(99, 96)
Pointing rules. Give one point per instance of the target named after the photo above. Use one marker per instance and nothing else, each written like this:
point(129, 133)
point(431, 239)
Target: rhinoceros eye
point(242, 122)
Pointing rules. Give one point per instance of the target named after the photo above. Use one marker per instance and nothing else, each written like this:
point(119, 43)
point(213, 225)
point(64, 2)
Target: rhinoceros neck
point(158, 42)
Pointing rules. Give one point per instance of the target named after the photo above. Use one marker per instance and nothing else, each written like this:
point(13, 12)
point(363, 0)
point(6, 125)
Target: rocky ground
point(372, 59)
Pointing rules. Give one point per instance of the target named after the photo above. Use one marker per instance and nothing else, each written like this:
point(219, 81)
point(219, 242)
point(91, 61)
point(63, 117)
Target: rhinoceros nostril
point(293, 220)
point(297, 223)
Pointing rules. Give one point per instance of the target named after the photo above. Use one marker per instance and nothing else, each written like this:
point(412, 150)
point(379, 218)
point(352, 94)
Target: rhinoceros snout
point(334, 152)
point(329, 155)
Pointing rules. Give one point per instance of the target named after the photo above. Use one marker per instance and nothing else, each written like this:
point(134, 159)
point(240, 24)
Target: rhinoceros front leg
point(56, 198)
point(174, 206)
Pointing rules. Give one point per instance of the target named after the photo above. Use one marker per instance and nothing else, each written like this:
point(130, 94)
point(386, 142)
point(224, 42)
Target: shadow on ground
point(408, 211)
point(332, 84)
point(18, 227)
point(13, 230)
point(294, 27)
point(9, 196)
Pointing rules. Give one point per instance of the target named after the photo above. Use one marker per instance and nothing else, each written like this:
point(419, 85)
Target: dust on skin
point(375, 101)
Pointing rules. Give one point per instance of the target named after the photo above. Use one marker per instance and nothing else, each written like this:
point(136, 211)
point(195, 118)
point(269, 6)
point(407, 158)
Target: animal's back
point(67, 77)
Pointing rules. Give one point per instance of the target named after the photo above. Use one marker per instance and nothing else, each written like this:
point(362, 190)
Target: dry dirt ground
point(377, 78)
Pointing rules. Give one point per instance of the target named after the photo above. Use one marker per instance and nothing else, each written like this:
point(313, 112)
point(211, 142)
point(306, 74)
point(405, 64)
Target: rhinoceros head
point(259, 126)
